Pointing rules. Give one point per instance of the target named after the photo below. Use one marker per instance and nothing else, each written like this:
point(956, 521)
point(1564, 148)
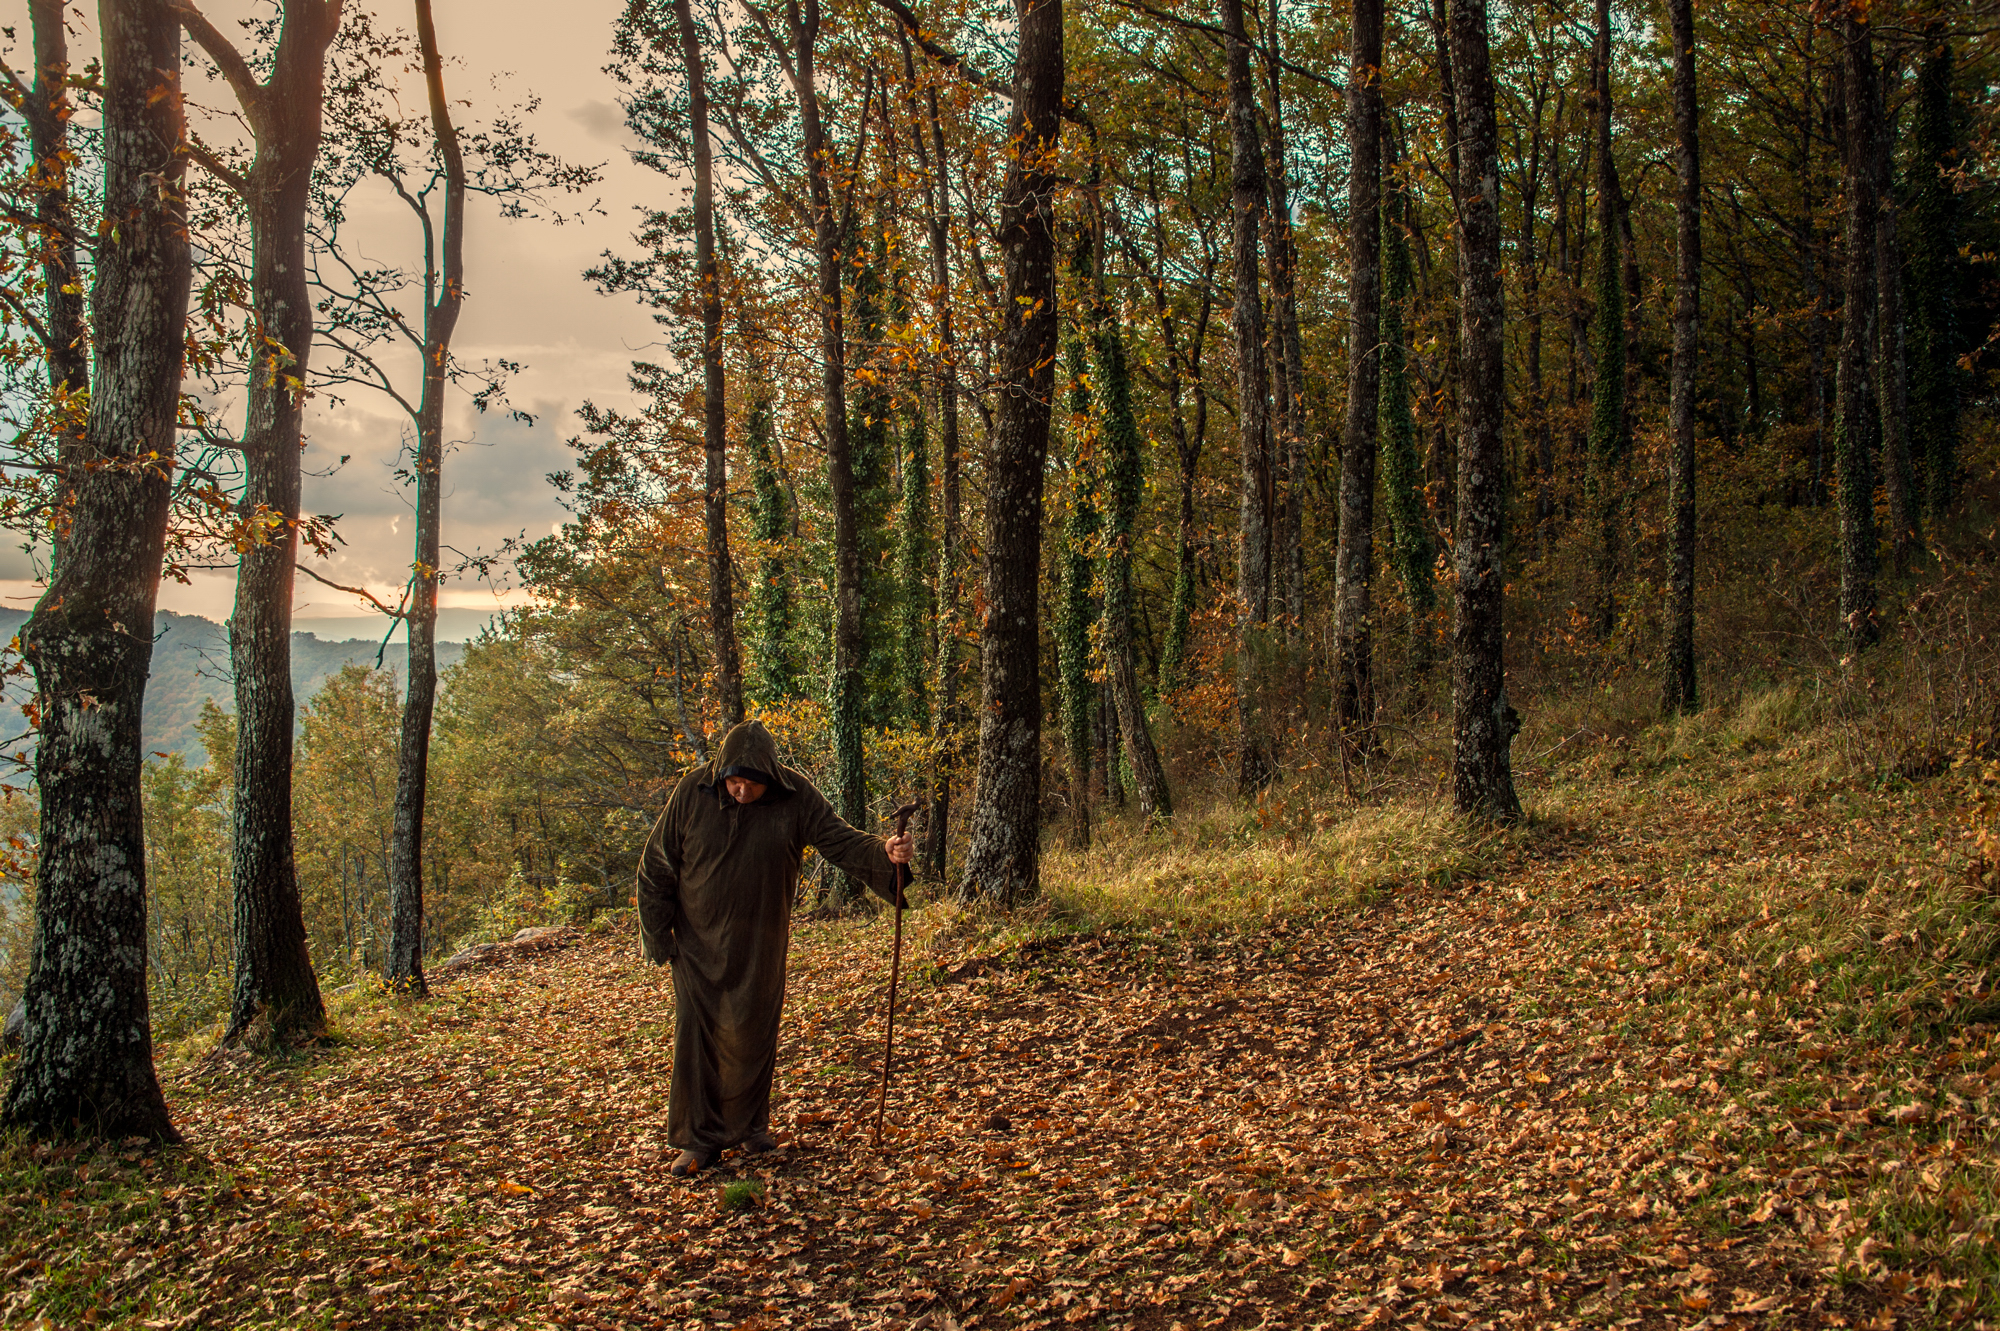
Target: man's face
point(743, 790)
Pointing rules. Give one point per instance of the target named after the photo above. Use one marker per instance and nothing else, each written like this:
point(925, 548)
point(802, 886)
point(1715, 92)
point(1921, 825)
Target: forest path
point(1560, 1095)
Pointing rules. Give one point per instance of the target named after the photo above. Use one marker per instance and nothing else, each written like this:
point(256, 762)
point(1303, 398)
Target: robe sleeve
point(659, 885)
point(848, 848)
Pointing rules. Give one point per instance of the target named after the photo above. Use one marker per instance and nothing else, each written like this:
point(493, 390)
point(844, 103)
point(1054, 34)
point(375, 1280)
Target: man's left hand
point(902, 849)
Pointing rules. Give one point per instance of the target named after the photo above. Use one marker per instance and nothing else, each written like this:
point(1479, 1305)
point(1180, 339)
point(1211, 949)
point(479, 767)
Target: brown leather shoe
point(690, 1163)
point(761, 1144)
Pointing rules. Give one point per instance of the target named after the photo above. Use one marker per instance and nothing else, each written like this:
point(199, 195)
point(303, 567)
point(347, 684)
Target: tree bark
point(1125, 464)
point(945, 710)
point(1607, 413)
point(1484, 722)
point(66, 334)
point(444, 294)
point(849, 647)
point(714, 406)
point(1288, 383)
point(1003, 862)
point(86, 1061)
point(1856, 418)
point(1892, 378)
point(1680, 693)
point(276, 996)
point(1253, 535)
point(1354, 561)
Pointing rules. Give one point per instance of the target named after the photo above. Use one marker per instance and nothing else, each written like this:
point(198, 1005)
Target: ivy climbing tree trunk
point(275, 996)
point(86, 1060)
point(1892, 381)
point(1003, 861)
point(1074, 616)
point(1607, 408)
point(444, 294)
point(1484, 722)
point(1354, 562)
point(1680, 693)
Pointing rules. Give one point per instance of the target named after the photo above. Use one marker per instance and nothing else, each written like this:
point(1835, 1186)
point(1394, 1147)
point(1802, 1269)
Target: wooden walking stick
point(902, 817)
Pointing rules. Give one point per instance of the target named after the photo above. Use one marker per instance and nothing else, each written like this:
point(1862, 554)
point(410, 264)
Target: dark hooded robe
point(717, 882)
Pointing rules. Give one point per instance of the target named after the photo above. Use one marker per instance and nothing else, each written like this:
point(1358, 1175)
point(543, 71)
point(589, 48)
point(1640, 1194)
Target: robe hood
point(750, 750)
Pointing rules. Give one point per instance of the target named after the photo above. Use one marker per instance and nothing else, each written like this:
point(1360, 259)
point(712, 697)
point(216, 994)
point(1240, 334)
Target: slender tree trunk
point(1607, 413)
point(945, 710)
point(1354, 563)
point(1413, 548)
point(1936, 272)
point(714, 407)
point(1124, 462)
point(444, 293)
point(1484, 722)
point(1892, 380)
point(86, 1060)
point(1288, 386)
point(1080, 714)
point(1680, 693)
point(849, 646)
point(1253, 536)
point(1003, 862)
point(276, 996)
point(1857, 419)
point(66, 334)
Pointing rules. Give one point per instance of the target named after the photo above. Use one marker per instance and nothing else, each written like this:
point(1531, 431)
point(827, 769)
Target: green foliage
point(188, 882)
point(1076, 611)
point(870, 441)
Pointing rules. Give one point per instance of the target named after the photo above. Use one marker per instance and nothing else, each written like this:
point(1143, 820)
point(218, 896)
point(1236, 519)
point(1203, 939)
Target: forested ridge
point(1428, 567)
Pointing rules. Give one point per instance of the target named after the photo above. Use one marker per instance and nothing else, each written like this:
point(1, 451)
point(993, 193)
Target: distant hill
point(191, 665)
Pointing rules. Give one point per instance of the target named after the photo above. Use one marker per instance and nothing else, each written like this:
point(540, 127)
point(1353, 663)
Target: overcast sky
point(526, 300)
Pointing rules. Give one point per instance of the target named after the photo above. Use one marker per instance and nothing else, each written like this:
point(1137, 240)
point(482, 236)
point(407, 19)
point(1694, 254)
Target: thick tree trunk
point(66, 335)
point(86, 1061)
point(1003, 861)
point(1857, 420)
point(276, 996)
point(1484, 722)
point(444, 292)
point(1253, 533)
point(1354, 562)
point(1680, 693)
point(714, 406)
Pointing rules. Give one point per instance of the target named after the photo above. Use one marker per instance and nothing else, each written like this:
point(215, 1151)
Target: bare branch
point(235, 69)
point(363, 593)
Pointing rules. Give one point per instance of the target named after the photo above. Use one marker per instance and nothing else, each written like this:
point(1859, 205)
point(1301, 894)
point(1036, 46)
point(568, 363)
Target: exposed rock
point(17, 1025)
point(524, 942)
point(532, 933)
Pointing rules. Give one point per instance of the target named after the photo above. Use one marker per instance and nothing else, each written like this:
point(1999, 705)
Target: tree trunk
point(1936, 272)
point(1484, 722)
point(1607, 412)
point(1680, 693)
point(1125, 463)
point(1856, 419)
point(1288, 569)
point(1003, 861)
point(1892, 380)
point(844, 702)
point(1073, 616)
point(714, 407)
point(945, 717)
point(86, 1060)
point(66, 335)
point(1354, 563)
point(276, 996)
point(1253, 534)
point(1414, 550)
point(444, 293)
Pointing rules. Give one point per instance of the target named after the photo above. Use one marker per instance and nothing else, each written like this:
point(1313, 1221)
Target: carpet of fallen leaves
point(1542, 1098)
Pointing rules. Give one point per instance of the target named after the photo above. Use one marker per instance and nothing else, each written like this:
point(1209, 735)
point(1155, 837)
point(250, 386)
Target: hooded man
point(717, 882)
